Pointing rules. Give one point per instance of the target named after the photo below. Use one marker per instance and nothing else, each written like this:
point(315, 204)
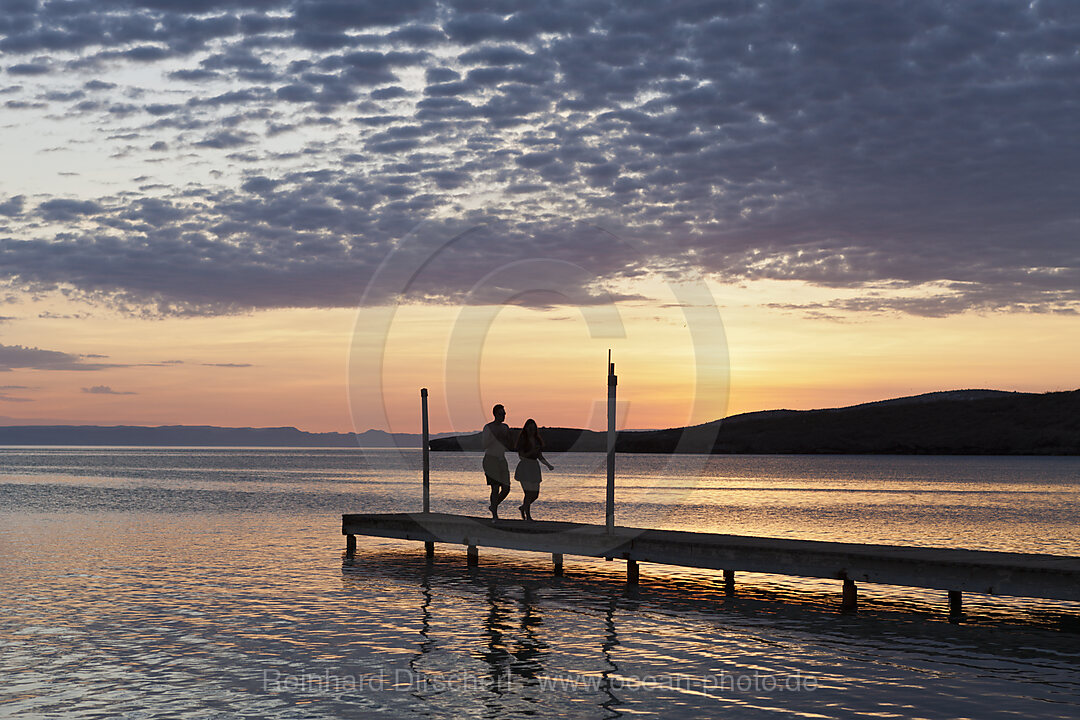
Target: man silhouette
point(496, 439)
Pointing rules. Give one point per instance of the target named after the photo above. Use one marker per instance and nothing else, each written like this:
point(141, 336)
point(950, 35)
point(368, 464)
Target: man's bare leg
point(498, 494)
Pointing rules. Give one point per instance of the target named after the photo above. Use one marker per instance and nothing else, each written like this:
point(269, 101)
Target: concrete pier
point(953, 570)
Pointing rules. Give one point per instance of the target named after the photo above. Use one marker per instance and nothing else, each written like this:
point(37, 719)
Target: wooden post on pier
point(557, 558)
point(729, 582)
point(429, 547)
point(350, 546)
point(612, 382)
point(956, 604)
point(850, 601)
point(632, 572)
point(426, 450)
point(472, 556)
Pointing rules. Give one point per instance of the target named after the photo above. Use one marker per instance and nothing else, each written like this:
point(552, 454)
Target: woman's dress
point(528, 470)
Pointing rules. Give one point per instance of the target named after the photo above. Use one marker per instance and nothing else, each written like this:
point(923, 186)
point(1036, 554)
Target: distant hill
point(197, 436)
point(961, 422)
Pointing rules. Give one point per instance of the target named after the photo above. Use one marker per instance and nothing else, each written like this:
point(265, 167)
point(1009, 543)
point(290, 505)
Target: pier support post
point(850, 602)
point(472, 556)
point(631, 572)
point(429, 550)
point(956, 604)
point(557, 559)
point(729, 582)
point(350, 546)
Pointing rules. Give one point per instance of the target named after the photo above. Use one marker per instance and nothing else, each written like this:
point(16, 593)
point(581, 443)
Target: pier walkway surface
point(951, 569)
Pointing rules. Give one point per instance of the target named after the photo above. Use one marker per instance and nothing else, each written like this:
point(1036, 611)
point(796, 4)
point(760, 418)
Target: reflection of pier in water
point(511, 643)
point(580, 637)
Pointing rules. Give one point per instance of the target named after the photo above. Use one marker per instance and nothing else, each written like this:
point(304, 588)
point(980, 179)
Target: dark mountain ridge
point(961, 422)
point(197, 436)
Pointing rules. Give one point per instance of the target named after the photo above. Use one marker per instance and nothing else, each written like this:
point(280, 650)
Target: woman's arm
point(541, 458)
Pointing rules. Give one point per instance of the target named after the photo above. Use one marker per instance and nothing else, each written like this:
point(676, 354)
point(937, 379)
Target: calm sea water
point(147, 583)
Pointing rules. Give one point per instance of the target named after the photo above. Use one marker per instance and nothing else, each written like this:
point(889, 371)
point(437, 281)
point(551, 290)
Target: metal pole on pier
point(612, 381)
point(427, 458)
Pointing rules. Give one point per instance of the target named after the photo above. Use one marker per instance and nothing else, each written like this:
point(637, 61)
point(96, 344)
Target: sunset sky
point(298, 213)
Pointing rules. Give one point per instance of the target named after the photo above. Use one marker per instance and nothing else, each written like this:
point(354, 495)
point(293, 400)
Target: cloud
point(923, 157)
point(417, 35)
point(29, 69)
point(225, 139)
point(229, 365)
point(64, 209)
point(360, 14)
point(18, 357)
point(50, 315)
point(105, 390)
point(146, 53)
point(5, 396)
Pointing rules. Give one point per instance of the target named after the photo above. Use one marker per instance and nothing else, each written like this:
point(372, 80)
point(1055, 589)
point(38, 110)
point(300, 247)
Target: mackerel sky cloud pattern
point(925, 154)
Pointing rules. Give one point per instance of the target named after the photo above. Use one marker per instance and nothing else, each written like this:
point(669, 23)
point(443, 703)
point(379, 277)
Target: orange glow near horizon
point(290, 367)
point(543, 365)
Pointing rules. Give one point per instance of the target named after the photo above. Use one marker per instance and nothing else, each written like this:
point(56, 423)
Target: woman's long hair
point(529, 438)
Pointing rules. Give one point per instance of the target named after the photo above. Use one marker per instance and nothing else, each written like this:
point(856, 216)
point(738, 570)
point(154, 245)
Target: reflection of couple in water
point(530, 450)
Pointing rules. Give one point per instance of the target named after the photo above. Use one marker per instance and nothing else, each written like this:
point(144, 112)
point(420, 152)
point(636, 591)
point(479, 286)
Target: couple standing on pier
point(529, 446)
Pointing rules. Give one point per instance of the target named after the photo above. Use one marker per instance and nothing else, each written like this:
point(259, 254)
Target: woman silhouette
point(530, 448)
